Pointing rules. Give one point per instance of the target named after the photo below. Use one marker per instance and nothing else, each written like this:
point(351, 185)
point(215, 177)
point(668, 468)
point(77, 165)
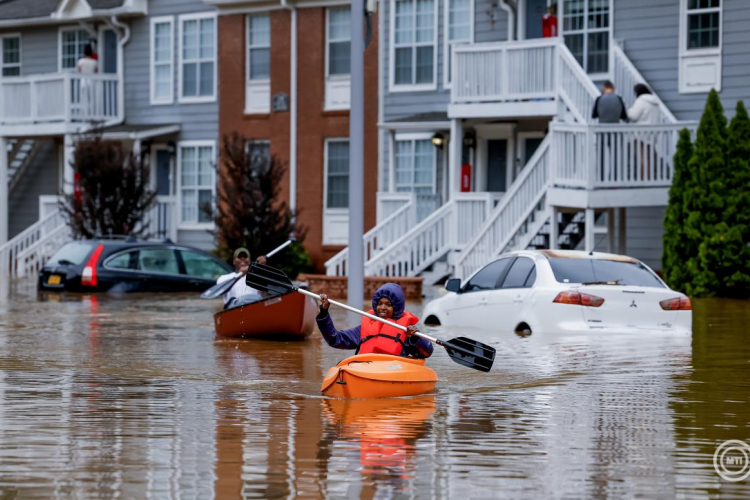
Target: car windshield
point(602, 271)
point(73, 253)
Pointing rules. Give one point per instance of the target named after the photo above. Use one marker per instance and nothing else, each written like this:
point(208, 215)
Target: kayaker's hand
point(324, 301)
point(411, 330)
point(262, 260)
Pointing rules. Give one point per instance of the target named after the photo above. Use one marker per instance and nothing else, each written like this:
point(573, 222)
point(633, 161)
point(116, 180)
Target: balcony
point(59, 103)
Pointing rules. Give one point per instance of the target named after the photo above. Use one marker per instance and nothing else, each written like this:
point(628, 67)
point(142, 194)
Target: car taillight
point(676, 304)
point(88, 277)
point(578, 299)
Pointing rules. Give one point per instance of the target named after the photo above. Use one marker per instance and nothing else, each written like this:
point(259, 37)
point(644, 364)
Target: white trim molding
point(412, 87)
point(335, 220)
point(585, 30)
point(155, 100)
point(700, 69)
point(214, 59)
point(257, 91)
point(448, 44)
point(3, 64)
point(60, 32)
point(337, 87)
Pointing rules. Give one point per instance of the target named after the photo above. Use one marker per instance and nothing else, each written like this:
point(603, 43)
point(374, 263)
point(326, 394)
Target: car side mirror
point(453, 285)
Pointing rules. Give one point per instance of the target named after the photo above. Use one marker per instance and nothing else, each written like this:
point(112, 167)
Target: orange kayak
point(378, 376)
point(288, 315)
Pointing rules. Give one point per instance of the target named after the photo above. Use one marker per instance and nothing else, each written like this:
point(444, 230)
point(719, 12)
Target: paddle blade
point(470, 353)
point(268, 279)
point(217, 291)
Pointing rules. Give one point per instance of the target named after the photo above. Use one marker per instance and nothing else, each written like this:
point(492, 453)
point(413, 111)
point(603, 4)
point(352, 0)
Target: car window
point(201, 265)
point(593, 270)
point(519, 271)
point(160, 260)
point(126, 260)
point(74, 252)
point(531, 279)
point(489, 276)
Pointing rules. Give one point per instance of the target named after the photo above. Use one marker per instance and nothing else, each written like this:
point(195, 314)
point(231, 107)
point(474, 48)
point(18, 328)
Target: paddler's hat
point(241, 250)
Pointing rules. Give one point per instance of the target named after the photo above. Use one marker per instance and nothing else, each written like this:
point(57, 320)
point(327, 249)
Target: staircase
point(568, 156)
point(20, 154)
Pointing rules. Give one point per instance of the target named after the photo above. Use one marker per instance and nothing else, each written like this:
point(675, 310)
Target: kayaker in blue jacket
point(372, 336)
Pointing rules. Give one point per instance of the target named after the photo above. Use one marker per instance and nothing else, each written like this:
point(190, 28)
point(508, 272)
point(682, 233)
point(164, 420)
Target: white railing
point(523, 197)
point(376, 239)
point(625, 76)
point(27, 251)
point(417, 249)
point(504, 71)
point(576, 89)
point(60, 97)
point(615, 156)
point(163, 219)
point(388, 203)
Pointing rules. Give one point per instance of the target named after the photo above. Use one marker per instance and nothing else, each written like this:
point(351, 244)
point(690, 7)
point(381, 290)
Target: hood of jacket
point(649, 99)
point(395, 294)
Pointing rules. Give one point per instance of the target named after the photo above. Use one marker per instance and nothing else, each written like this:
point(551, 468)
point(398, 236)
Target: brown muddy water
point(133, 396)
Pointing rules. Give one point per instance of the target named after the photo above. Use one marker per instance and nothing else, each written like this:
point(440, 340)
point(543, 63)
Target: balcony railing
point(614, 156)
point(59, 98)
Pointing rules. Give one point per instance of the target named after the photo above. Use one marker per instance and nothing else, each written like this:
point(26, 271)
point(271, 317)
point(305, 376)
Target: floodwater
point(133, 396)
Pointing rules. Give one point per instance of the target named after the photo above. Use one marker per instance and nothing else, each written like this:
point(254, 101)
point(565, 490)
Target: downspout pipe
point(293, 108)
point(511, 10)
point(121, 66)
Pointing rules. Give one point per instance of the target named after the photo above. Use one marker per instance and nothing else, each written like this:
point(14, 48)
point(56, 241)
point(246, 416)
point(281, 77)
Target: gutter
point(121, 66)
point(511, 18)
point(293, 110)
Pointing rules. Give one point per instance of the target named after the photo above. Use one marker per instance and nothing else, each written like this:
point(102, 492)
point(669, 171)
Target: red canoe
point(288, 315)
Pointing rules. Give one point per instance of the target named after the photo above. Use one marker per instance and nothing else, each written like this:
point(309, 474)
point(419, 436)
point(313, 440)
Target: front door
point(163, 173)
point(535, 10)
point(497, 165)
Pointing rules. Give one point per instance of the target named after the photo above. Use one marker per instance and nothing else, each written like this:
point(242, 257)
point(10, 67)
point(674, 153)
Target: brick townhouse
point(284, 81)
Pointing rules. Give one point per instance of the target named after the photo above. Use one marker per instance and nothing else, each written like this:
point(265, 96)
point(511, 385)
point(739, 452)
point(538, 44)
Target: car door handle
point(519, 298)
point(483, 302)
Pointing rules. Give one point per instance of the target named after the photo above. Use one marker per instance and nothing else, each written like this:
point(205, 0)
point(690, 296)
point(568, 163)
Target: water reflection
point(133, 397)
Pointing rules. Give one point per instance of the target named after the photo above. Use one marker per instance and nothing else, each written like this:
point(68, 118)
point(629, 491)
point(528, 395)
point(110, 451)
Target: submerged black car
point(130, 266)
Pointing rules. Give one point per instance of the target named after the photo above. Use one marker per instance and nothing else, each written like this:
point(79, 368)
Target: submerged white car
point(562, 291)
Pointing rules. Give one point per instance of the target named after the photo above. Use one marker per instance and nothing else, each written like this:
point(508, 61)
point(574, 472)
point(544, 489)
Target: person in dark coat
point(387, 303)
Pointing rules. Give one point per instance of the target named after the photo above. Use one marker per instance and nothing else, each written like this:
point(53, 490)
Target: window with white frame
point(459, 22)
point(11, 61)
point(197, 182)
point(258, 91)
point(72, 44)
point(161, 61)
point(703, 24)
point(700, 45)
point(415, 166)
point(339, 40)
point(197, 57)
point(413, 41)
point(337, 173)
point(586, 30)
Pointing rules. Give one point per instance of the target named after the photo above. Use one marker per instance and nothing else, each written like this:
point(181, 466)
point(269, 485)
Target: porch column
point(611, 230)
point(68, 152)
point(391, 161)
point(455, 150)
point(621, 231)
point(4, 218)
point(554, 229)
point(589, 236)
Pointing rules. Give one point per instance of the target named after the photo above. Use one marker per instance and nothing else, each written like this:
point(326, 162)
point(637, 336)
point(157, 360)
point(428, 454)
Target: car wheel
point(432, 321)
point(523, 330)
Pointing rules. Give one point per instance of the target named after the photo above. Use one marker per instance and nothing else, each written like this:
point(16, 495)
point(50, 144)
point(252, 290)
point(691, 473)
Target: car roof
point(115, 245)
point(573, 254)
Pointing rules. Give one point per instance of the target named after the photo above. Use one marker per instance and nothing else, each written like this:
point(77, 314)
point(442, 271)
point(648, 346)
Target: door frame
point(100, 48)
point(487, 132)
point(521, 18)
point(162, 146)
point(522, 136)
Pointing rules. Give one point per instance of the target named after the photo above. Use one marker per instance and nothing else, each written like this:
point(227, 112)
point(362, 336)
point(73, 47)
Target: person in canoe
point(373, 336)
point(240, 293)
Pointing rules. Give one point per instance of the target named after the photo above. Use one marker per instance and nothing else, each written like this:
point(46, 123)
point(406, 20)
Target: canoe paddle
point(223, 287)
point(462, 350)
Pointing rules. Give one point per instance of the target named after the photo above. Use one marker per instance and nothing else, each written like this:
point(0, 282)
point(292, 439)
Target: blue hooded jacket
point(349, 339)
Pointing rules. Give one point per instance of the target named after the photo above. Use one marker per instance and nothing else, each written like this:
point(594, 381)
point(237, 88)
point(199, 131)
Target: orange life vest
point(379, 338)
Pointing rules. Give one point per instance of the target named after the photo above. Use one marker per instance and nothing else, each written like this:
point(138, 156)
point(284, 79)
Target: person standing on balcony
point(608, 108)
point(645, 111)
point(86, 93)
point(87, 64)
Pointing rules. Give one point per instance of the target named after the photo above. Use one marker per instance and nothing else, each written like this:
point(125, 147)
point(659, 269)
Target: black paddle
point(462, 350)
point(223, 287)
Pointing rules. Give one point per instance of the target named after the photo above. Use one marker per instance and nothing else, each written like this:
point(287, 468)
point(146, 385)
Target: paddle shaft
point(371, 316)
point(279, 248)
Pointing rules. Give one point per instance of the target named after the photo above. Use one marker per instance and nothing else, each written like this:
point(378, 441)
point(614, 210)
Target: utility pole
point(356, 265)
